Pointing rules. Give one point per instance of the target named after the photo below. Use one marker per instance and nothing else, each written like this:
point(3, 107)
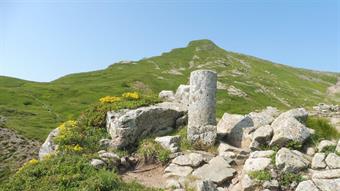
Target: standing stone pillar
point(202, 107)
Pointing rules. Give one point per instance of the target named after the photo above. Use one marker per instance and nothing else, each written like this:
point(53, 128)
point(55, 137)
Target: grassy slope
point(33, 109)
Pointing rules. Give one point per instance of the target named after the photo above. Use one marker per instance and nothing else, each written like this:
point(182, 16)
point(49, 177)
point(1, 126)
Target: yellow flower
point(109, 99)
point(77, 148)
point(131, 95)
point(28, 163)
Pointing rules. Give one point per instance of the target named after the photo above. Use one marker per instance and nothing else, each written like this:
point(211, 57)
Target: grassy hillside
point(33, 109)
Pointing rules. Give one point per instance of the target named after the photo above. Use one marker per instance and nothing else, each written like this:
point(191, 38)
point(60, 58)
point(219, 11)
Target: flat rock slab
point(217, 170)
point(174, 170)
point(333, 160)
point(328, 184)
point(326, 174)
point(307, 185)
point(190, 159)
point(256, 164)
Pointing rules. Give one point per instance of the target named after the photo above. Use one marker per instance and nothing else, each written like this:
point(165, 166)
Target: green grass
point(287, 178)
point(67, 172)
point(33, 108)
point(261, 175)
point(323, 130)
point(151, 151)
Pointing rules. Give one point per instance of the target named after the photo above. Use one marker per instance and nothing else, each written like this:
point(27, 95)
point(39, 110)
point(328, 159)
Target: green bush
point(323, 130)
point(288, 178)
point(66, 172)
point(260, 175)
point(329, 149)
point(151, 151)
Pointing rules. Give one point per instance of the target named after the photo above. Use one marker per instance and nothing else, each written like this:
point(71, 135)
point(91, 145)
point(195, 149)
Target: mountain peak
point(203, 43)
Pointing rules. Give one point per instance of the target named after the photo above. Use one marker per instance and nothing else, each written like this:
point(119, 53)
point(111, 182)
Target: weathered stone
point(227, 154)
point(327, 184)
point(217, 170)
point(271, 184)
point(169, 142)
point(223, 147)
point(248, 184)
point(204, 135)
point(310, 151)
point(97, 163)
point(333, 160)
point(288, 129)
point(324, 144)
point(338, 147)
point(291, 160)
point(105, 143)
point(265, 117)
point(261, 154)
point(256, 164)
point(174, 170)
point(300, 114)
point(128, 126)
point(182, 121)
point(172, 183)
point(49, 147)
point(232, 126)
point(261, 136)
point(205, 185)
point(112, 159)
point(318, 161)
point(190, 159)
point(182, 94)
point(306, 185)
point(326, 174)
point(202, 106)
point(166, 95)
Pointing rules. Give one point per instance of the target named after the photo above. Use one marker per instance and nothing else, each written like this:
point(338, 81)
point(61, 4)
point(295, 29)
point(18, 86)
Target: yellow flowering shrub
point(29, 163)
point(131, 95)
point(109, 99)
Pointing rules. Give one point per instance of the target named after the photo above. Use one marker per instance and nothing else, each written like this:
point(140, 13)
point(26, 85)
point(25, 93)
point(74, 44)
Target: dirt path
point(148, 175)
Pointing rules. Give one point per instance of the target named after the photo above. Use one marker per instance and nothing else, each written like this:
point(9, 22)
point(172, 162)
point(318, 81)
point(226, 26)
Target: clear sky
point(44, 40)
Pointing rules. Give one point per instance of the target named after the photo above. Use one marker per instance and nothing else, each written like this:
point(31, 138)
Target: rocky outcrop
point(128, 126)
point(291, 160)
point(166, 95)
point(49, 147)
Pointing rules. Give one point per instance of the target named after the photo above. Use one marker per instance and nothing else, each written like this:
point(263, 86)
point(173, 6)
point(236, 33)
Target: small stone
point(205, 185)
point(169, 142)
point(306, 185)
point(248, 184)
point(182, 94)
point(174, 170)
point(318, 161)
point(333, 161)
point(105, 143)
point(310, 151)
point(166, 95)
point(338, 147)
point(228, 154)
point(324, 144)
point(256, 164)
point(272, 184)
point(261, 154)
point(97, 163)
point(191, 159)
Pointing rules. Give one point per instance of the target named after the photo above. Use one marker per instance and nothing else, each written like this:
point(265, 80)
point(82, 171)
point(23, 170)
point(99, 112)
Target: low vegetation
point(151, 151)
point(260, 175)
point(287, 178)
point(323, 130)
point(69, 168)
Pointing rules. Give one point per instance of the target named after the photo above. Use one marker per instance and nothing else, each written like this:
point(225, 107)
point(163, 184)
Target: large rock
point(182, 94)
point(49, 147)
point(261, 154)
point(202, 106)
point(306, 185)
point(300, 114)
point(217, 170)
point(256, 164)
point(169, 142)
point(327, 184)
point(288, 129)
point(128, 126)
point(190, 159)
point(333, 161)
point(291, 160)
point(232, 126)
point(318, 161)
point(265, 117)
point(324, 144)
point(98, 164)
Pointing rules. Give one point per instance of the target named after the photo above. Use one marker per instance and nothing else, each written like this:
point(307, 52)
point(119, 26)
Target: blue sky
point(44, 40)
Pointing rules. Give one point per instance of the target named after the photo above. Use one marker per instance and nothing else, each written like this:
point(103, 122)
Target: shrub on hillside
point(323, 130)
